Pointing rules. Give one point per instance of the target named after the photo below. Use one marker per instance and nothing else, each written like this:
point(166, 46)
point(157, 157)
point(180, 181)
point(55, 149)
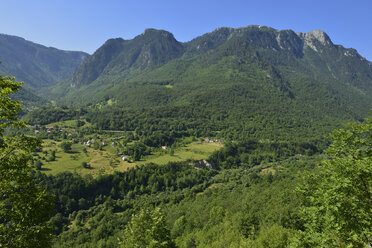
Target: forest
point(258, 193)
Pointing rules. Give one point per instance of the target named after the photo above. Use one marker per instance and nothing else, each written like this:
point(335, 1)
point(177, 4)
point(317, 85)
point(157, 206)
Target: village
point(68, 146)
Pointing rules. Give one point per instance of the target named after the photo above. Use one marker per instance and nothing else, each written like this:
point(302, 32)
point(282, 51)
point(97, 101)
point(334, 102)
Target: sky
point(84, 25)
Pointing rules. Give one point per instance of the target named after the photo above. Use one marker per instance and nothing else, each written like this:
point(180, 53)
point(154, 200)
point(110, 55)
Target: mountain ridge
point(255, 79)
point(241, 78)
point(119, 54)
point(258, 37)
point(37, 65)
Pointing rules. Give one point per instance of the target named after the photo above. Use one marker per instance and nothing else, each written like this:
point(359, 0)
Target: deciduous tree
point(147, 229)
point(24, 207)
point(338, 211)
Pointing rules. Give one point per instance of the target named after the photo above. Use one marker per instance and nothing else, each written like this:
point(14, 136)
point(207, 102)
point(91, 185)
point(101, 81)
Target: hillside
point(255, 79)
point(36, 65)
point(223, 141)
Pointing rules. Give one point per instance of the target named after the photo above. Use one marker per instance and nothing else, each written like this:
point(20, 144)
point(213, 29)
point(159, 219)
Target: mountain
point(254, 79)
point(148, 50)
point(36, 65)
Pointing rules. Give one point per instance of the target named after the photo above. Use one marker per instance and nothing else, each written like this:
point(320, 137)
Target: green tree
point(147, 229)
point(85, 165)
point(38, 164)
point(338, 210)
point(24, 207)
point(66, 146)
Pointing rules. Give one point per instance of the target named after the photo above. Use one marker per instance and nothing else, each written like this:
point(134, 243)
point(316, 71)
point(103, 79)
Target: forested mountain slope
point(248, 79)
point(36, 65)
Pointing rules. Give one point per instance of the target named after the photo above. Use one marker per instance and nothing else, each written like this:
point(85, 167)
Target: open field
point(100, 161)
point(106, 161)
point(192, 151)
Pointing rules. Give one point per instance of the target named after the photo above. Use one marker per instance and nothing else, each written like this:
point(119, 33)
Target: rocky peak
point(320, 35)
point(314, 38)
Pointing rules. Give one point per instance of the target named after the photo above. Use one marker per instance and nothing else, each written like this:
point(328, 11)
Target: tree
point(38, 164)
point(147, 229)
point(85, 165)
point(338, 210)
point(24, 207)
point(66, 146)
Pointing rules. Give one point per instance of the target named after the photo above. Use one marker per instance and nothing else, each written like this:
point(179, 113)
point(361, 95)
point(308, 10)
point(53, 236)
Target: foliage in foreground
point(147, 229)
point(338, 210)
point(24, 207)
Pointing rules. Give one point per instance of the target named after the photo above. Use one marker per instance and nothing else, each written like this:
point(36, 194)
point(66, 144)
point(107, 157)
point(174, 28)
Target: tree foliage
point(147, 229)
point(338, 210)
point(66, 146)
point(24, 207)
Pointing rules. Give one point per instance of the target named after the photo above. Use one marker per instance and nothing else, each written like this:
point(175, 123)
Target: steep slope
point(148, 50)
point(38, 66)
point(255, 79)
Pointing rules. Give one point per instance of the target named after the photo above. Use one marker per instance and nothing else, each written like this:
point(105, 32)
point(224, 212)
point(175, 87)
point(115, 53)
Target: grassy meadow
point(107, 161)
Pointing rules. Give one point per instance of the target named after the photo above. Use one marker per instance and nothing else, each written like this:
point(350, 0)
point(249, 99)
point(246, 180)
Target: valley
point(241, 137)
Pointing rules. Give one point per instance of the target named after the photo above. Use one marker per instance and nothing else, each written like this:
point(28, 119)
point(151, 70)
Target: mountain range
point(246, 75)
point(253, 74)
point(225, 56)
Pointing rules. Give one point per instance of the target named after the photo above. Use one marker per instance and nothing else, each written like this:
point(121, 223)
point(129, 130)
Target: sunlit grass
point(106, 161)
point(192, 151)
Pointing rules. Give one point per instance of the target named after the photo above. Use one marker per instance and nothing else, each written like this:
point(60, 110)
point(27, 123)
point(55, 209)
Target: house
point(207, 139)
point(88, 143)
point(104, 143)
point(49, 129)
point(124, 158)
point(36, 131)
point(199, 142)
point(164, 147)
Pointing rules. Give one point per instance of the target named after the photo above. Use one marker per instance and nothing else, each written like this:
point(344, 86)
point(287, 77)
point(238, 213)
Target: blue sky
point(86, 24)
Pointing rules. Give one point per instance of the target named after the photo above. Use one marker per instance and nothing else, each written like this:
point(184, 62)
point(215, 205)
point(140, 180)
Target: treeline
point(250, 153)
point(74, 192)
point(200, 120)
point(46, 115)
